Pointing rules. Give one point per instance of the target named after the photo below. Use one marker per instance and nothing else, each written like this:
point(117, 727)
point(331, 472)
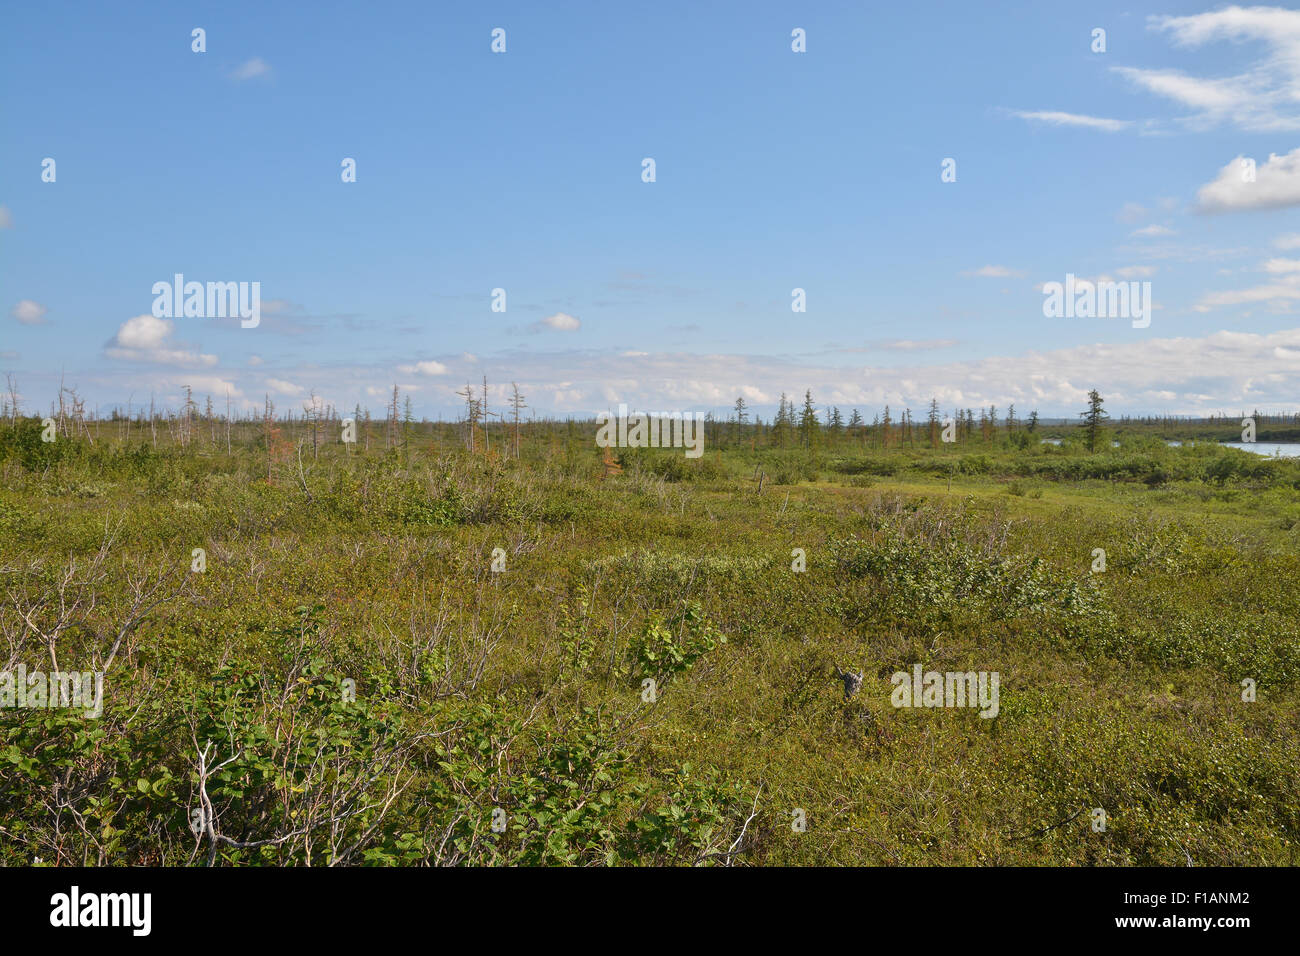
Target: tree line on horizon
point(803, 426)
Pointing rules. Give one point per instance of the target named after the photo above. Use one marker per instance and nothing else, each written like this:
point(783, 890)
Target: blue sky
point(774, 170)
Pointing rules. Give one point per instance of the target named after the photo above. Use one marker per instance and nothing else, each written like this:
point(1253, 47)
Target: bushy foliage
point(352, 681)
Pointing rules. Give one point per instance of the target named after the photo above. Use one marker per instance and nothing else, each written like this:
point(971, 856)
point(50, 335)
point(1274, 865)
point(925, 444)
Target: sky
point(774, 170)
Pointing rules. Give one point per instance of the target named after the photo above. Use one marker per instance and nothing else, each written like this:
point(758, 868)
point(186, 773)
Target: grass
point(505, 716)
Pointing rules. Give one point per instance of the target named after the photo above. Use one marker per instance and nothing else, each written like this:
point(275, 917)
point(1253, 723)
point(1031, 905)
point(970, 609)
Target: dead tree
point(518, 404)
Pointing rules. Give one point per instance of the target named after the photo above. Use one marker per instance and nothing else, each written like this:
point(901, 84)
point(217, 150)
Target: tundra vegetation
point(404, 651)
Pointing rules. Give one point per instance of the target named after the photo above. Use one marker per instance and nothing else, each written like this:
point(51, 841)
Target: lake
point(1284, 449)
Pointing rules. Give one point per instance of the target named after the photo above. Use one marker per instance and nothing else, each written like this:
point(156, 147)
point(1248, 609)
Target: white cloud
point(1276, 185)
point(428, 367)
point(1138, 373)
point(1153, 230)
point(210, 385)
point(1208, 95)
point(559, 322)
point(1288, 241)
point(1263, 97)
point(255, 360)
point(282, 387)
point(994, 272)
point(1136, 272)
point(1057, 118)
point(386, 391)
point(144, 332)
point(29, 313)
point(1276, 293)
point(145, 338)
point(1278, 265)
point(250, 69)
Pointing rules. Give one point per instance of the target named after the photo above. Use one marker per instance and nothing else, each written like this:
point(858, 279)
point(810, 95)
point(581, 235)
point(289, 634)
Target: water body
point(1285, 449)
point(1282, 449)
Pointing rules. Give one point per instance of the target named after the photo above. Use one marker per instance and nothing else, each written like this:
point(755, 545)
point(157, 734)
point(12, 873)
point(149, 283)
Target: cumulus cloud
point(251, 69)
point(1183, 375)
point(1140, 373)
point(1277, 293)
point(145, 338)
point(209, 385)
point(428, 367)
point(1276, 185)
point(1057, 118)
point(282, 387)
point(559, 322)
point(29, 313)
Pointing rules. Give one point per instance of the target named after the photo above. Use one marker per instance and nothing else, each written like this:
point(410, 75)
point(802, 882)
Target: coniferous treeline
point(480, 427)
